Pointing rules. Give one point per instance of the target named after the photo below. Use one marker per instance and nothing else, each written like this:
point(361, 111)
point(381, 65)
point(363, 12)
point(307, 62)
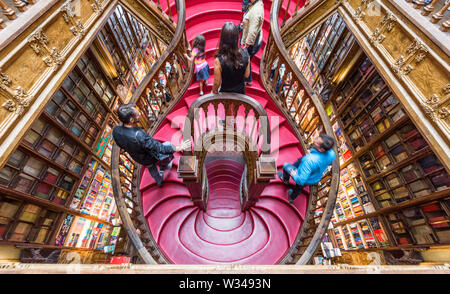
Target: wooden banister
point(304, 111)
point(147, 95)
point(8, 12)
point(253, 140)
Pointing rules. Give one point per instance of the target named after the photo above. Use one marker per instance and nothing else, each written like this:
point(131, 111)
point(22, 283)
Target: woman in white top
point(252, 35)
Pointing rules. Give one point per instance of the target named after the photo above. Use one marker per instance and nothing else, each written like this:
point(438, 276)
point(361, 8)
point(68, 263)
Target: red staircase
point(223, 234)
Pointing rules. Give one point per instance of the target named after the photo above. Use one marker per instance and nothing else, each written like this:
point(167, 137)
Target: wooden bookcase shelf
point(394, 192)
point(55, 189)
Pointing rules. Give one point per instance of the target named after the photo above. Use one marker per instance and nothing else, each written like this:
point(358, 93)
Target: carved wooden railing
point(434, 12)
point(153, 105)
point(245, 129)
point(304, 111)
point(169, 11)
point(9, 8)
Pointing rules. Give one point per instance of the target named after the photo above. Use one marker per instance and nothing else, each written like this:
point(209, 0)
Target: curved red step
point(223, 233)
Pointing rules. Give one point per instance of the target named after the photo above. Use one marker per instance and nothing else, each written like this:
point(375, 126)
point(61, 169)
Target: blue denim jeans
point(287, 169)
point(245, 5)
point(153, 169)
point(252, 50)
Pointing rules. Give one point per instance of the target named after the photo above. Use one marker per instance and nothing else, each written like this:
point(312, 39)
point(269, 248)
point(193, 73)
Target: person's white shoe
point(201, 93)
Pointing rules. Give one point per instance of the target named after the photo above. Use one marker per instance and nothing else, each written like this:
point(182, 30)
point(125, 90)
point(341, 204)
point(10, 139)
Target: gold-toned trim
point(387, 24)
point(417, 52)
point(19, 98)
point(68, 14)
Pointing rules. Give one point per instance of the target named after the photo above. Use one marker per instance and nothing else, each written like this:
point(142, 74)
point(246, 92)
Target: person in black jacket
point(142, 147)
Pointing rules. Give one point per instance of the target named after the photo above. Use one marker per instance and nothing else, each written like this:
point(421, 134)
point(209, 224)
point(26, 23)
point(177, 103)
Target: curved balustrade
point(309, 118)
point(9, 8)
point(153, 103)
point(435, 11)
point(305, 112)
point(227, 122)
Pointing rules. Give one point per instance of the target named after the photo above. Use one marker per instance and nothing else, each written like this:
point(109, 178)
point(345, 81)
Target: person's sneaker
point(289, 196)
point(159, 184)
point(280, 175)
point(169, 166)
point(201, 93)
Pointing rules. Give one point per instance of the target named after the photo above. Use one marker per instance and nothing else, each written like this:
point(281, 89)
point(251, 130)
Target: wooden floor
point(21, 268)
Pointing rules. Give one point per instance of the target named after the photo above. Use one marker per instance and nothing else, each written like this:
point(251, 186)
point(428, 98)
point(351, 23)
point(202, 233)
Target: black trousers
point(153, 168)
point(287, 169)
point(245, 5)
point(252, 50)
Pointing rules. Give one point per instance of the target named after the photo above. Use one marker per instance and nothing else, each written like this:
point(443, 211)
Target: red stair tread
point(151, 197)
point(281, 138)
point(222, 237)
point(165, 210)
point(215, 252)
point(228, 225)
point(169, 133)
point(223, 234)
point(279, 190)
point(284, 212)
point(277, 243)
point(196, 6)
point(178, 117)
point(288, 154)
point(169, 176)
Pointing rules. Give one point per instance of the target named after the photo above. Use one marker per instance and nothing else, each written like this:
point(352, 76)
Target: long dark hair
point(199, 43)
point(229, 49)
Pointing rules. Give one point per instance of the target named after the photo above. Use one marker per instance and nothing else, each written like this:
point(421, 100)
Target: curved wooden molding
point(415, 68)
point(33, 66)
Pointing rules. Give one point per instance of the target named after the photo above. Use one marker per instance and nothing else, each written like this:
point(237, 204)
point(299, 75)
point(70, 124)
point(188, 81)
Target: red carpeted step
point(170, 176)
point(198, 6)
point(223, 234)
point(284, 213)
point(279, 190)
point(282, 137)
point(288, 154)
point(203, 20)
point(178, 117)
point(164, 211)
point(151, 197)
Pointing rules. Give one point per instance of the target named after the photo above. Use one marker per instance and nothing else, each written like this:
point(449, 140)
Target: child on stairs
point(201, 65)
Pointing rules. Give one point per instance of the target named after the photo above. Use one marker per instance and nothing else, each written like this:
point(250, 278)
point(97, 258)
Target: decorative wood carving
point(97, 6)
point(387, 24)
point(360, 12)
point(68, 14)
point(8, 12)
point(410, 56)
point(435, 106)
point(39, 255)
point(20, 5)
point(39, 41)
point(33, 64)
point(18, 100)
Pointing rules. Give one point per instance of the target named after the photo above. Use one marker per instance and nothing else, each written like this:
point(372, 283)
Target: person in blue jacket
point(308, 170)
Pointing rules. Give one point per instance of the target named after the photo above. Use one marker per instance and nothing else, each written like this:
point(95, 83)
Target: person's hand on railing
point(186, 145)
point(188, 56)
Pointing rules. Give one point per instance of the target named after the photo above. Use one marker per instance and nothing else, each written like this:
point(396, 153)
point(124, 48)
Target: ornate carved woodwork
point(259, 171)
point(415, 67)
point(135, 223)
point(32, 67)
